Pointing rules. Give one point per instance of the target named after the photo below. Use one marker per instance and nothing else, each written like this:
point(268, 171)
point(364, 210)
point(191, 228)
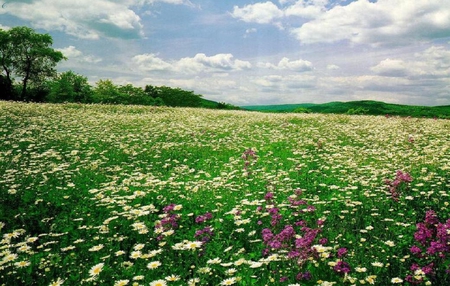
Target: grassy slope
point(372, 107)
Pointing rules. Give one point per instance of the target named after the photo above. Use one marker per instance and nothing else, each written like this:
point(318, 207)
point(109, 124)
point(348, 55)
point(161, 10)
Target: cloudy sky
point(254, 52)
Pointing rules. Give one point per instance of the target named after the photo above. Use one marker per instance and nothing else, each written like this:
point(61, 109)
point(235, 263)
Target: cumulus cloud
point(191, 65)
point(389, 67)
point(261, 13)
point(309, 9)
point(84, 18)
point(392, 22)
point(434, 62)
point(381, 22)
point(72, 53)
point(286, 64)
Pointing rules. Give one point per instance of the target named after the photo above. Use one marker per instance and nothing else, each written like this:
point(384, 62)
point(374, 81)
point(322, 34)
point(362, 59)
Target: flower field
point(128, 195)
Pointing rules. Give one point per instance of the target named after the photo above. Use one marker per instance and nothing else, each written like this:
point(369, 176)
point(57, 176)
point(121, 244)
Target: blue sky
point(254, 52)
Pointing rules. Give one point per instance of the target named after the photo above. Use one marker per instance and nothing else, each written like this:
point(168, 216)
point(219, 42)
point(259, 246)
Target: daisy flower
point(173, 278)
point(192, 245)
point(228, 281)
point(396, 280)
point(158, 283)
point(21, 264)
point(121, 282)
point(96, 269)
point(153, 265)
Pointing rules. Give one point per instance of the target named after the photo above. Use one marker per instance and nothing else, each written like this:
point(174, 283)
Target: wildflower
point(193, 281)
point(342, 267)
point(228, 281)
point(254, 264)
point(139, 246)
point(342, 252)
point(135, 254)
point(120, 252)
point(360, 269)
point(96, 269)
point(57, 282)
point(21, 264)
point(389, 243)
point(192, 245)
point(204, 270)
point(377, 264)
point(96, 247)
point(153, 265)
point(173, 278)
point(121, 282)
point(214, 261)
point(371, 279)
point(10, 257)
point(158, 283)
point(396, 280)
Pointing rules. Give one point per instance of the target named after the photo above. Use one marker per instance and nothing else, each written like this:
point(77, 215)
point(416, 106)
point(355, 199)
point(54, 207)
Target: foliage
point(357, 111)
point(123, 195)
point(367, 107)
point(27, 55)
point(69, 87)
point(302, 110)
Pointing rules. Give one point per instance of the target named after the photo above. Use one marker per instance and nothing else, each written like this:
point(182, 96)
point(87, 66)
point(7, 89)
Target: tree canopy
point(28, 56)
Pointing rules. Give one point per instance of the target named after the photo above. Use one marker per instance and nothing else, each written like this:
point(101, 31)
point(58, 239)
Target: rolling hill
point(368, 107)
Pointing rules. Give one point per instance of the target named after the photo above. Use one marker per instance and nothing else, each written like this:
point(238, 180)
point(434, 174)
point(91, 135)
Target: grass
point(128, 195)
point(367, 107)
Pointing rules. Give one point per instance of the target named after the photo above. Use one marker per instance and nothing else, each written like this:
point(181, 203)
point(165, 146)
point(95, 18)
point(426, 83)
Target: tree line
point(29, 73)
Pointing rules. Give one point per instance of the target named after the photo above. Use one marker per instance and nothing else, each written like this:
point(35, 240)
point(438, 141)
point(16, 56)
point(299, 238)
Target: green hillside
point(368, 107)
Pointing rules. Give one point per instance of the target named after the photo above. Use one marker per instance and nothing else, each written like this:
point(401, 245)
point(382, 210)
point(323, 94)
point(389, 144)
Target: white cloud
point(72, 53)
point(393, 68)
point(381, 22)
point(332, 67)
point(434, 62)
point(191, 65)
point(306, 8)
point(261, 13)
point(286, 64)
point(85, 19)
point(150, 62)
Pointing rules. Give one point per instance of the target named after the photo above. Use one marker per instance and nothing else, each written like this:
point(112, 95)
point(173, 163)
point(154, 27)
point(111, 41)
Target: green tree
point(106, 91)
point(29, 56)
point(70, 87)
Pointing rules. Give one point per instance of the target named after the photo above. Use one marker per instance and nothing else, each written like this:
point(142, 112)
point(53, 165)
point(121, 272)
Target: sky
point(254, 52)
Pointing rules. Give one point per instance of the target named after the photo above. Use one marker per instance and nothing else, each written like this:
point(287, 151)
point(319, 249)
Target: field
point(128, 195)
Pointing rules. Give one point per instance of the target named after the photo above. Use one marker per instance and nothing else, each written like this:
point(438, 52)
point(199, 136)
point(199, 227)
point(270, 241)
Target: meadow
point(130, 195)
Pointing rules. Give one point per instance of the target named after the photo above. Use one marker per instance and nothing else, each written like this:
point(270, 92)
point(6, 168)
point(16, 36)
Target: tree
point(27, 55)
point(70, 87)
point(6, 86)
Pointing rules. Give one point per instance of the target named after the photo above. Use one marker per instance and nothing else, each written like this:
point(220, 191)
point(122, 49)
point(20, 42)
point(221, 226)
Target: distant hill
point(368, 107)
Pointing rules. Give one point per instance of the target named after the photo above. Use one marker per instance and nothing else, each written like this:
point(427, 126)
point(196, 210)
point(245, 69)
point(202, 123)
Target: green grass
point(146, 195)
point(368, 107)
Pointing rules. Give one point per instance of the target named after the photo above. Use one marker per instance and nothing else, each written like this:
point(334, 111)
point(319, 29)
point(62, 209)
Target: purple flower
point(342, 252)
point(415, 250)
point(304, 276)
point(422, 233)
point(323, 241)
point(342, 267)
point(268, 196)
point(431, 217)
